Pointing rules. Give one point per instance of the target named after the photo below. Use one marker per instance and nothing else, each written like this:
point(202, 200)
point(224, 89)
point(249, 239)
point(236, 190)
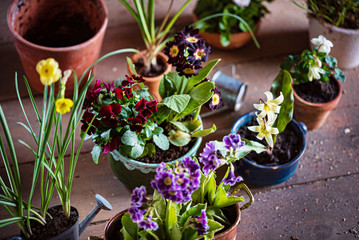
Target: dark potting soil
point(154, 71)
point(58, 224)
point(317, 91)
point(169, 155)
point(287, 147)
point(60, 32)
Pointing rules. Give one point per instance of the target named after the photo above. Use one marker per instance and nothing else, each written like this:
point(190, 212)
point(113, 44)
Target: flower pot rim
point(321, 105)
point(302, 128)
point(335, 28)
point(58, 49)
point(231, 228)
point(155, 78)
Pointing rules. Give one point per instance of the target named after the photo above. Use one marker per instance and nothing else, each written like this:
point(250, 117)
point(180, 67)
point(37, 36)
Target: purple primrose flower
point(148, 224)
point(200, 223)
point(231, 179)
point(210, 158)
point(233, 141)
point(138, 197)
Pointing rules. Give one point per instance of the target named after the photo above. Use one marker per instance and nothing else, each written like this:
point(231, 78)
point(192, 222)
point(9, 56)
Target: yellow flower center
point(191, 39)
point(199, 54)
point(174, 51)
point(188, 70)
point(215, 99)
point(167, 181)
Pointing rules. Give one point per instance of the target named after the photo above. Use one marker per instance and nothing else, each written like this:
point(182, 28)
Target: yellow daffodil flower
point(63, 105)
point(265, 130)
point(270, 107)
point(49, 71)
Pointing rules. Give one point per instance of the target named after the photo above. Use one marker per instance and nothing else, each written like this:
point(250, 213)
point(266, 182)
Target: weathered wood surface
point(320, 201)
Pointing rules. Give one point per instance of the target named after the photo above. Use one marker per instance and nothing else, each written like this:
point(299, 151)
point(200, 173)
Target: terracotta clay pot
point(69, 31)
point(237, 39)
point(314, 114)
point(345, 41)
point(152, 83)
point(113, 227)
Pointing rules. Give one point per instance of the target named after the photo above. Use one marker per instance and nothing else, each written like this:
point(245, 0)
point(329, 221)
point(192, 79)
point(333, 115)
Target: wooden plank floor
point(320, 201)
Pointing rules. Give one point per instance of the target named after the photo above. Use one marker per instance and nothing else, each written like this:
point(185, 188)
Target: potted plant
point(284, 137)
point(187, 203)
point(52, 143)
point(72, 34)
point(316, 83)
point(339, 22)
point(140, 133)
point(232, 28)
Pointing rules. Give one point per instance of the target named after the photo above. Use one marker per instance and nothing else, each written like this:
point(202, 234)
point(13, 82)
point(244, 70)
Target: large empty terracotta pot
point(69, 31)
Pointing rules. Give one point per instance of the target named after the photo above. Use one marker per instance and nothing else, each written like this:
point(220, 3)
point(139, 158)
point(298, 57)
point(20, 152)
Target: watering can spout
point(102, 203)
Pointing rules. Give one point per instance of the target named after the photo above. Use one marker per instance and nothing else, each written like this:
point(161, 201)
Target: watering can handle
point(249, 193)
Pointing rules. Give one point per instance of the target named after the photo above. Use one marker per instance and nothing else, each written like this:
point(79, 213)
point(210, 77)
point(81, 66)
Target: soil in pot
point(287, 147)
point(60, 31)
point(318, 91)
point(58, 224)
point(154, 71)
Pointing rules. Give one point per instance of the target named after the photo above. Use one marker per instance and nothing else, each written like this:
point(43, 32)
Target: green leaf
point(161, 141)
point(213, 226)
point(137, 150)
point(211, 188)
point(283, 83)
point(204, 132)
point(96, 151)
point(189, 233)
point(192, 125)
point(131, 65)
point(248, 147)
point(166, 87)
point(106, 135)
point(331, 61)
point(157, 130)
point(202, 74)
point(339, 75)
point(129, 228)
point(192, 212)
point(175, 233)
point(171, 217)
point(181, 126)
point(129, 138)
point(162, 113)
point(223, 199)
point(177, 102)
point(176, 80)
point(179, 138)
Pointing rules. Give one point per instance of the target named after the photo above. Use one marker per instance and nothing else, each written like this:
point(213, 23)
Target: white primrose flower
point(314, 72)
point(270, 107)
point(242, 3)
point(323, 44)
point(265, 130)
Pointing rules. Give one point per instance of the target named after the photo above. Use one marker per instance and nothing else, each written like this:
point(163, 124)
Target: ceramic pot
point(72, 34)
point(268, 175)
point(152, 83)
point(113, 227)
point(133, 173)
point(345, 41)
point(314, 114)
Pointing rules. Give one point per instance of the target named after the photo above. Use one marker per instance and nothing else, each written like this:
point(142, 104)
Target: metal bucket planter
point(74, 232)
point(133, 173)
point(268, 175)
point(33, 22)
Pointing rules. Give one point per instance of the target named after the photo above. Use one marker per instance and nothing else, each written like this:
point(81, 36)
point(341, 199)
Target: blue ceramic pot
point(268, 175)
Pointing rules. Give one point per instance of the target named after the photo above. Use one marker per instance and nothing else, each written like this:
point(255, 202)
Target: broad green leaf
point(192, 125)
point(137, 150)
point(248, 147)
point(96, 151)
point(175, 233)
point(179, 138)
point(166, 87)
point(177, 102)
point(171, 217)
point(157, 130)
point(204, 132)
point(129, 228)
point(213, 226)
point(189, 233)
point(131, 65)
point(222, 199)
point(162, 113)
point(202, 74)
point(181, 126)
point(161, 141)
point(192, 212)
point(129, 138)
point(283, 83)
point(176, 80)
point(211, 188)
point(106, 135)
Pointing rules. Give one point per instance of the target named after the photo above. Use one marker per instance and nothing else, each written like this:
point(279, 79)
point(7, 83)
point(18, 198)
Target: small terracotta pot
point(152, 83)
point(32, 17)
point(237, 39)
point(314, 114)
point(345, 41)
point(113, 227)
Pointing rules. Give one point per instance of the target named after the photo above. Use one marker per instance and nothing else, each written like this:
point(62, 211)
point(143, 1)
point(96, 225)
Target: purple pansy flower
point(233, 141)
